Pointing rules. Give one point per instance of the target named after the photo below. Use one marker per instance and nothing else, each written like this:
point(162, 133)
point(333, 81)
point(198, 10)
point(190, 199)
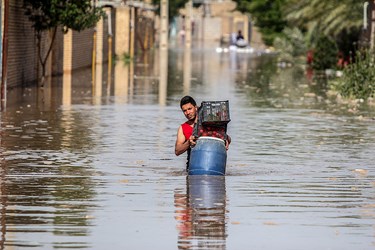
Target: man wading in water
point(185, 139)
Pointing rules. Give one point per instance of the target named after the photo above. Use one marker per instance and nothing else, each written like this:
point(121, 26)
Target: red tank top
point(187, 130)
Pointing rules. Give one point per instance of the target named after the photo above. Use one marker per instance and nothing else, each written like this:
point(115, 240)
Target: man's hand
point(182, 144)
point(227, 142)
point(192, 141)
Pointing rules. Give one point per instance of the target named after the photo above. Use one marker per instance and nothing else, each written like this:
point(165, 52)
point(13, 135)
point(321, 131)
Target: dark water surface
point(99, 172)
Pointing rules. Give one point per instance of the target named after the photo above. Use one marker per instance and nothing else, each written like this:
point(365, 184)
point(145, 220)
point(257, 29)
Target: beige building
point(217, 20)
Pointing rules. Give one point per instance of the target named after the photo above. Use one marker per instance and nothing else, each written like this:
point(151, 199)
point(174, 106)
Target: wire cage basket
point(215, 112)
point(213, 118)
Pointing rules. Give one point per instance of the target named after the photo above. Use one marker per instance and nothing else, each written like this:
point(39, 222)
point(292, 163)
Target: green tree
point(291, 46)
point(325, 54)
point(268, 16)
point(340, 19)
point(49, 15)
point(330, 17)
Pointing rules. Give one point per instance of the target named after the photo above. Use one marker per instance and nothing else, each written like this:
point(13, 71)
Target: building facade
point(118, 33)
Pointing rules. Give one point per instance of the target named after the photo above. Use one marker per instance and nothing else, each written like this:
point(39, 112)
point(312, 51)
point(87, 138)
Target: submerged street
point(84, 170)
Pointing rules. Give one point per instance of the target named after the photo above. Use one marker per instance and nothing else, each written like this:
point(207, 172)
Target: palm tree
point(329, 17)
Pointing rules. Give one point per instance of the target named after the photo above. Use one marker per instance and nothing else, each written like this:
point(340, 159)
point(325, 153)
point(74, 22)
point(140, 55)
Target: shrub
point(358, 79)
point(325, 54)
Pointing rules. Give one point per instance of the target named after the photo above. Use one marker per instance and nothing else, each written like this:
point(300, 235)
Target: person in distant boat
point(239, 36)
point(240, 40)
point(185, 139)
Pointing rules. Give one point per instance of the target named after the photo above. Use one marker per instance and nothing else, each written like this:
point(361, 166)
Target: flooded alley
point(93, 167)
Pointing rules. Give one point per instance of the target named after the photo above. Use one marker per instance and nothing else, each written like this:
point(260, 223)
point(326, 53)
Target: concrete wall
point(212, 29)
point(122, 31)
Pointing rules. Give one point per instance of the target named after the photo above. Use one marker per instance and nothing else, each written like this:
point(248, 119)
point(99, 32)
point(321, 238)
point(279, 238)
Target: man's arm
point(181, 144)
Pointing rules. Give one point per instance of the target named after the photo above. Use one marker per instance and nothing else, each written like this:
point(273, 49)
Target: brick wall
point(58, 54)
point(82, 48)
point(22, 59)
point(23, 64)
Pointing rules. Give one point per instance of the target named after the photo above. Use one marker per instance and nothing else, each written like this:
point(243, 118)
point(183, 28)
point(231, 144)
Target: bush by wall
point(358, 79)
point(325, 54)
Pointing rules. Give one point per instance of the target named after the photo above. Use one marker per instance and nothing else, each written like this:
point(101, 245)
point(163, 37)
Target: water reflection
point(37, 203)
point(67, 89)
point(46, 185)
point(267, 84)
point(201, 213)
point(4, 199)
point(163, 81)
point(72, 173)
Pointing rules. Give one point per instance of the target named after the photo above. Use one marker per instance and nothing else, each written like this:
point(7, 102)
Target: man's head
point(189, 107)
point(187, 99)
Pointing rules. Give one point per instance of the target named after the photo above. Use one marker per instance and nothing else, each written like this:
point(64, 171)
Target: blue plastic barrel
point(208, 157)
point(207, 192)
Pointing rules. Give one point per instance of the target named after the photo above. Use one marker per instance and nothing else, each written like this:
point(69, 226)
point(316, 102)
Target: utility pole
point(163, 52)
point(372, 24)
point(164, 24)
point(188, 18)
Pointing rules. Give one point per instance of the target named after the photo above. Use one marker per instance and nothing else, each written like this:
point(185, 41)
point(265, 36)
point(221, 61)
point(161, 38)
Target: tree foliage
point(48, 15)
point(330, 17)
point(267, 15)
point(338, 19)
point(359, 77)
point(335, 18)
point(291, 46)
point(325, 54)
point(74, 14)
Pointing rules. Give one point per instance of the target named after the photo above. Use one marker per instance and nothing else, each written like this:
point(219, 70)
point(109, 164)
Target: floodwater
point(94, 167)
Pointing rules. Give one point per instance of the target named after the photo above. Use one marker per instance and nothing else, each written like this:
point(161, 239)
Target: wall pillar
point(122, 26)
point(67, 68)
point(99, 59)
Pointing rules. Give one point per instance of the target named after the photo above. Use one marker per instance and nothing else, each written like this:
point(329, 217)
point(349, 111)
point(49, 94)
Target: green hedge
point(358, 79)
point(325, 54)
